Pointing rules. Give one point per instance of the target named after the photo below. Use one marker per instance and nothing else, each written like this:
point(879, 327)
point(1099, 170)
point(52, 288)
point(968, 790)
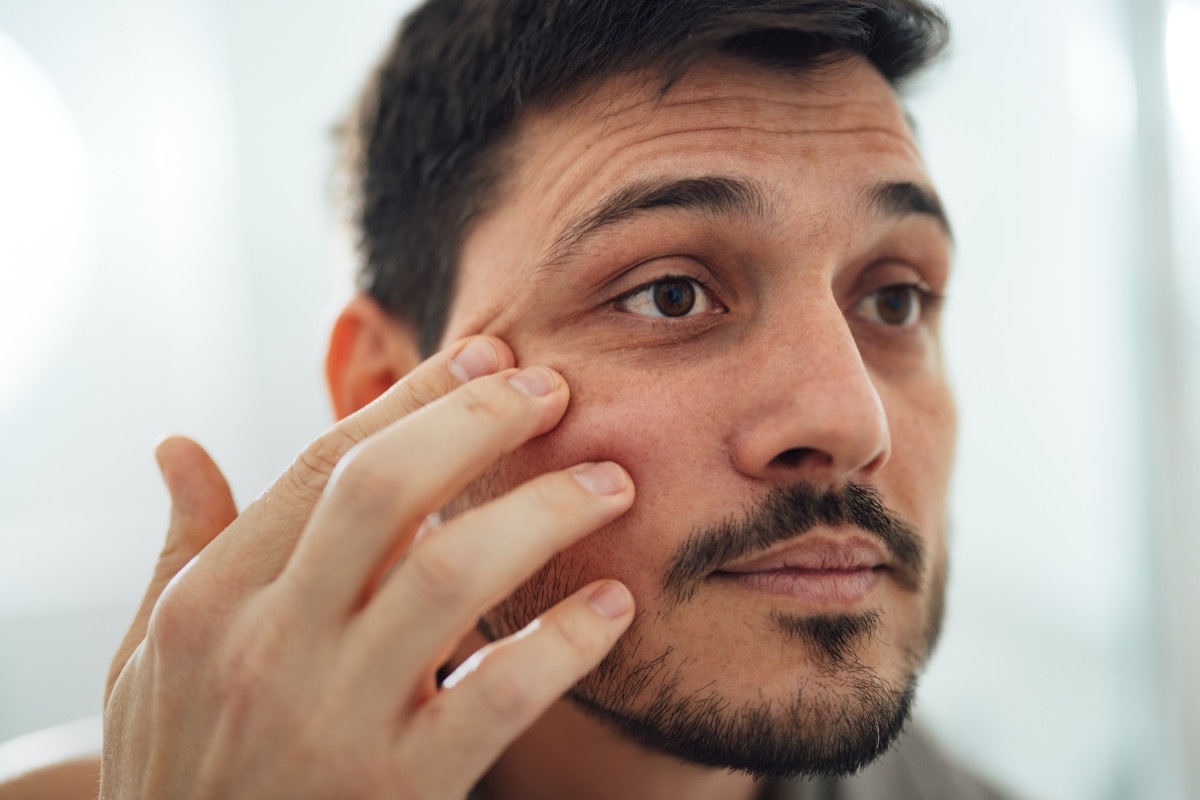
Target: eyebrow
point(714, 195)
point(724, 196)
point(904, 198)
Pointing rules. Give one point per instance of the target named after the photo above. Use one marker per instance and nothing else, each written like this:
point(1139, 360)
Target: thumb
point(201, 502)
point(201, 507)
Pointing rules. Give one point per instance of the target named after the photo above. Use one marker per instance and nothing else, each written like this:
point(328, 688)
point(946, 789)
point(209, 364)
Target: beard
point(841, 715)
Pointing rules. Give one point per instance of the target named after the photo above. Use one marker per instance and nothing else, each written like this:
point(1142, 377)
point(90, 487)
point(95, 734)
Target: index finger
point(256, 547)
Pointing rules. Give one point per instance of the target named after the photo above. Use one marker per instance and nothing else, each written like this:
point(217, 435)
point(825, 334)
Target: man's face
point(735, 281)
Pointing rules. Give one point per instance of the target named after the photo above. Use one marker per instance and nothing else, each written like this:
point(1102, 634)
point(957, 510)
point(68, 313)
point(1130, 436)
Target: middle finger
point(384, 488)
point(451, 577)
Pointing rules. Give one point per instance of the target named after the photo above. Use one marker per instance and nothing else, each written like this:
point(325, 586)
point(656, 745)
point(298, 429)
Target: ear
point(368, 352)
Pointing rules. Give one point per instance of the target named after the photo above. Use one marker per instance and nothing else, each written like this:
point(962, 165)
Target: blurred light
point(1183, 64)
point(1183, 87)
point(45, 225)
point(1100, 78)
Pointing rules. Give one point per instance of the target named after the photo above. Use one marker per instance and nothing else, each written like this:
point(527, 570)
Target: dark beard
point(836, 723)
point(842, 716)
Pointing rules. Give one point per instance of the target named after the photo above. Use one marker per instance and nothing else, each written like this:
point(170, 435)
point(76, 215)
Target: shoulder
point(916, 768)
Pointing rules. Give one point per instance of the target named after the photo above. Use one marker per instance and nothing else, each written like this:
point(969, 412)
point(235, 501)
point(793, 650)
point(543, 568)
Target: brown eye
point(674, 298)
point(670, 297)
point(898, 306)
point(895, 304)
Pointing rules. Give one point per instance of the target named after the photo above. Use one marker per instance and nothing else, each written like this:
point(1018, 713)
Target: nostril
point(798, 455)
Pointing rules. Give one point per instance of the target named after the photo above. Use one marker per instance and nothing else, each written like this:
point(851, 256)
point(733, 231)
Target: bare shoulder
point(59, 763)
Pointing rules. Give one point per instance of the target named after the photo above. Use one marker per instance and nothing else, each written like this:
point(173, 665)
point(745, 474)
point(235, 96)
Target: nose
point(810, 410)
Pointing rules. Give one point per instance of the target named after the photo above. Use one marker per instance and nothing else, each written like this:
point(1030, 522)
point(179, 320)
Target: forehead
point(808, 143)
point(720, 111)
point(846, 94)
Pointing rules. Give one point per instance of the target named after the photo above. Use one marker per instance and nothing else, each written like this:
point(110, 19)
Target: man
point(680, 250)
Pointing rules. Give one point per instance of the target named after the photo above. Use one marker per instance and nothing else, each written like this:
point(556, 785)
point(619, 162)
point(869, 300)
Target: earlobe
point(368, 352)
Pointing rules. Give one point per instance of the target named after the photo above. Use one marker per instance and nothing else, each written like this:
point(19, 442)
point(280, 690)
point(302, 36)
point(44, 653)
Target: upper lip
point(816, 552)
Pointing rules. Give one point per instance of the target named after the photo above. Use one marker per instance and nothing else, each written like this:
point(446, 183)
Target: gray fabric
point(914, 769)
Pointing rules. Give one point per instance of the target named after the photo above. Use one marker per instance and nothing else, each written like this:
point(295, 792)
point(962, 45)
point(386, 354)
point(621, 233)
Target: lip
point(816, 552)
point(814, 569)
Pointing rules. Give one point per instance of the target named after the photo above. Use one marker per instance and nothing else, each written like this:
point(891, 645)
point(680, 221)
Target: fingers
point(201, 501)
point(499, 692)
point(382, 491)
point(475, 560)
point(201, 507)
point(256, 650)
point(256, 550)
point(434, 378)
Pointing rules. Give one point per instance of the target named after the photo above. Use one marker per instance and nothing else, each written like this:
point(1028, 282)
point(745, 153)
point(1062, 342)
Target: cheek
point(664, 433)
point(924, 431)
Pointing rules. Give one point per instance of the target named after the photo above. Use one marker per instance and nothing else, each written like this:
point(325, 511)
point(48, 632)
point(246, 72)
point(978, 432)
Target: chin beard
point(838, 720)
point(814, 735)
point(839, 715)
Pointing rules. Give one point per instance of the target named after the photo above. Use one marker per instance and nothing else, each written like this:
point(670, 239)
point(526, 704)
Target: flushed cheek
point(666, 439)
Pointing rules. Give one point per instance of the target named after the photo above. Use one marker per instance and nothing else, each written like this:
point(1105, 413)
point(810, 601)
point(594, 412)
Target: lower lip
point(816, 587)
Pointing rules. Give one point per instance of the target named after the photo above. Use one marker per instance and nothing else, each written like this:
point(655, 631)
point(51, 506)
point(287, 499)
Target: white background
point(169, 262)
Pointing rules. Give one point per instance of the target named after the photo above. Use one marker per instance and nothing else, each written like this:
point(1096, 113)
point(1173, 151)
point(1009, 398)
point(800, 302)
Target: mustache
point(788, 513)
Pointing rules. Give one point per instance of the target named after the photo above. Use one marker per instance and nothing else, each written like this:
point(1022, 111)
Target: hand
point(295, 656)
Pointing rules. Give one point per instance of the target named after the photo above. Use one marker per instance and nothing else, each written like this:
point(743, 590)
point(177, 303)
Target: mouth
point(815, 570)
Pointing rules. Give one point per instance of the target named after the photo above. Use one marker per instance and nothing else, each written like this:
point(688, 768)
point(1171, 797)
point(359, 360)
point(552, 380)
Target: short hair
point(424, 146)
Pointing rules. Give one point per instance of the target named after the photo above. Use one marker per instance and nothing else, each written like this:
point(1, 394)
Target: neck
point(569, 754)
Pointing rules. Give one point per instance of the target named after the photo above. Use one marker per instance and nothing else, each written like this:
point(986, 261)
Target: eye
point(901, 305)
point(669, 297)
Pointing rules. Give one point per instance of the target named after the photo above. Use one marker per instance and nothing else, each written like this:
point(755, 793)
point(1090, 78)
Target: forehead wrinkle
point(565, 183)
point(605, 121)
point(707, 82)
point(853, 116)
point(711, 195)
point(572, 151)
point(600, 120)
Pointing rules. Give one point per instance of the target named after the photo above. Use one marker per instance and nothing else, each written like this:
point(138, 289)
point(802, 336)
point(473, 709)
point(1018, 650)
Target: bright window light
point(45, 220)
point(1183, 64)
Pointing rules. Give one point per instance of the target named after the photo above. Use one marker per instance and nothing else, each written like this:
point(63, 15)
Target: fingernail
point(535, 381)
point(478, 358)
point(603, 478)
point(611, 599)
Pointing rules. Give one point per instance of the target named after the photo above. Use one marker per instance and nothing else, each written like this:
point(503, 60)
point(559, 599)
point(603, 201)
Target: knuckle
point(317, 462)
point(367, 484)
point(420, 393)
point(438, 575)
point(481, 398)
point(583, 641)
point(548, 494)
point(508, 694)
point(175, 622)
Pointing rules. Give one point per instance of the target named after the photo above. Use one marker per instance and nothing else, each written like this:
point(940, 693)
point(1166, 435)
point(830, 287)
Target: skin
point(294, 655)
point(709, 412)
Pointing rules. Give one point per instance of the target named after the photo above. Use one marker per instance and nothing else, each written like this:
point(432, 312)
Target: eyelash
point(928, 302)
point(665, 320)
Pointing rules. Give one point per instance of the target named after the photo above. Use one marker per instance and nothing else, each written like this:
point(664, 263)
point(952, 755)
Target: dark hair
point(424, 146)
